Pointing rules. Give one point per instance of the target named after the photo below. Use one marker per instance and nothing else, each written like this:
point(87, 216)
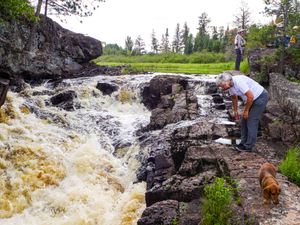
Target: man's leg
point(255, 113)
point(244, 131)
point(238, 59)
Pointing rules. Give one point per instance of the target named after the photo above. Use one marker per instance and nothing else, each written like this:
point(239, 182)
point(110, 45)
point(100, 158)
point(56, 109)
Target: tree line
point(184, 42)
point(217, 39)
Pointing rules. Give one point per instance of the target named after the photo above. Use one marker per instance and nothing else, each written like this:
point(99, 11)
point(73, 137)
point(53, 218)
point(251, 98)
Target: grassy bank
point(188, 68)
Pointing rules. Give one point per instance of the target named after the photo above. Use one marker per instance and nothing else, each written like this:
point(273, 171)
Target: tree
point(177, 43)
point(112, 49)
point(283, 9)
point(214, 33)
point(185, 35)
point(189, 45)
point(139, 46)
point(242, 18)
point(203, 23)
point(165, 45)
point(154, 43)
point(81, 8)
point(128, 45)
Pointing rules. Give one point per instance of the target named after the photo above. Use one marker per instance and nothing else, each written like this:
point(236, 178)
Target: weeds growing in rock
point(290, 166)
point(217, 207)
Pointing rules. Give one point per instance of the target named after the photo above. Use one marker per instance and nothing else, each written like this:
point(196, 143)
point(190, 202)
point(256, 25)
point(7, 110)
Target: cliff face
point(55, 52)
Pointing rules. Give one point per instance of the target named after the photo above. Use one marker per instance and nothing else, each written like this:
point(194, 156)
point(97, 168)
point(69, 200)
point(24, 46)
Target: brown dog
point(268, 183)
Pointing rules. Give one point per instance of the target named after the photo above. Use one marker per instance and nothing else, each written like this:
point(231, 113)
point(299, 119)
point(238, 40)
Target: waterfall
point(63, 167)
point(77, 166)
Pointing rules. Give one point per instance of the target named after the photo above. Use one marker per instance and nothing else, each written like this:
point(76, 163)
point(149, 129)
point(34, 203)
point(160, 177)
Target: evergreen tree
point(165, 45)
point(154, 43)
point(139, 46)
point(242, 19)
point(203, 23)
point(185, 35)
point(215, 34)
point(222, 39)
point(201, 42)
point(112, 49)
point(177, 43)
point(202, 37)
point(189, 45)
point(128, 45)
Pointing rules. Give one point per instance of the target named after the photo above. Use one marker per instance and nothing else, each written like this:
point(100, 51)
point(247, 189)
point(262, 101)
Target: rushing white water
point(61, 169)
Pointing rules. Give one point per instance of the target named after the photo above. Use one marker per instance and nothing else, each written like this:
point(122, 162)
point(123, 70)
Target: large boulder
point(170, 99)
point(54, 51)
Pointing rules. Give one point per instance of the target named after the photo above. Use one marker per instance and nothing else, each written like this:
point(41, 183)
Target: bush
point(15, 9)
point(217, 206)
point(245, 67)
point(290, 166)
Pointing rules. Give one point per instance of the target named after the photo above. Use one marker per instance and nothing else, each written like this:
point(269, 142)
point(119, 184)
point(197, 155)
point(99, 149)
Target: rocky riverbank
point(184, 156)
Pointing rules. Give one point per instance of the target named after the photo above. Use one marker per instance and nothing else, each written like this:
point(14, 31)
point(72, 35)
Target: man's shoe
point(242, 148)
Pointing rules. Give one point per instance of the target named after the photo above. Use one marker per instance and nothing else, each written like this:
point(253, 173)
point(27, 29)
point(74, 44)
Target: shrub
point(245, 67)
point(16, 9)
point(290, 166)
point(217, 206)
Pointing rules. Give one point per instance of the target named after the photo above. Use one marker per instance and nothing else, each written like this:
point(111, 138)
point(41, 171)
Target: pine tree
point(128, 45)
point(203, 23)
point(215, 34)
point(185, 36)
point(165, 45)
point(154, 43)
point(189, 45)
point(177, 43)
point(139, 46)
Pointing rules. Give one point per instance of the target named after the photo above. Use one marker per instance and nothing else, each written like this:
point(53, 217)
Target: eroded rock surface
point(184, 156)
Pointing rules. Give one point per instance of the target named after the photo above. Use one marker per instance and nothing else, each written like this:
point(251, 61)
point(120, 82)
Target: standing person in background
point(239, 44)
point(255, 98)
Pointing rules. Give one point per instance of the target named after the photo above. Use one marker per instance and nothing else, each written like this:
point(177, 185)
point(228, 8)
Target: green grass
point(188, 68)
point(218, 202)
point(290, 166)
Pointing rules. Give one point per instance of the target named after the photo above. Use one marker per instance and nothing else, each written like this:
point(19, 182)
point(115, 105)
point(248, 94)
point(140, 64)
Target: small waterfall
point(62, 167)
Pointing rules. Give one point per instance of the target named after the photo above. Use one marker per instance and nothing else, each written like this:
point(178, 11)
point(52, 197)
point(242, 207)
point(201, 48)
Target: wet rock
point(107, 88)
point(4, 85)
point(65, 100)
point(173, 101)
point(165, 212)
point(162, 85)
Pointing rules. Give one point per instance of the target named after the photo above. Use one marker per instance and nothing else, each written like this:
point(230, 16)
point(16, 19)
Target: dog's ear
point(267, 192)
point(273, 167)
point(279, 189)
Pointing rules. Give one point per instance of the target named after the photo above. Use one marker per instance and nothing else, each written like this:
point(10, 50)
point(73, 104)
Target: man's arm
point(248, 105)
point(234, 100)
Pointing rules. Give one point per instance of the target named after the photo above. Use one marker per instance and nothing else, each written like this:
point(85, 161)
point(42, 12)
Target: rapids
point(63, 167)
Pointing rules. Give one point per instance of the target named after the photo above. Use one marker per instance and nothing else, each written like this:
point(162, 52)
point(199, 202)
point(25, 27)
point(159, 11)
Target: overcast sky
point(117, 19)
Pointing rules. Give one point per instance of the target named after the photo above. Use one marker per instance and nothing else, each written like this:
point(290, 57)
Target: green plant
point(290, 166)
point(15, 9)
point(218, 202)
point(245, 67)
point(175, 221)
